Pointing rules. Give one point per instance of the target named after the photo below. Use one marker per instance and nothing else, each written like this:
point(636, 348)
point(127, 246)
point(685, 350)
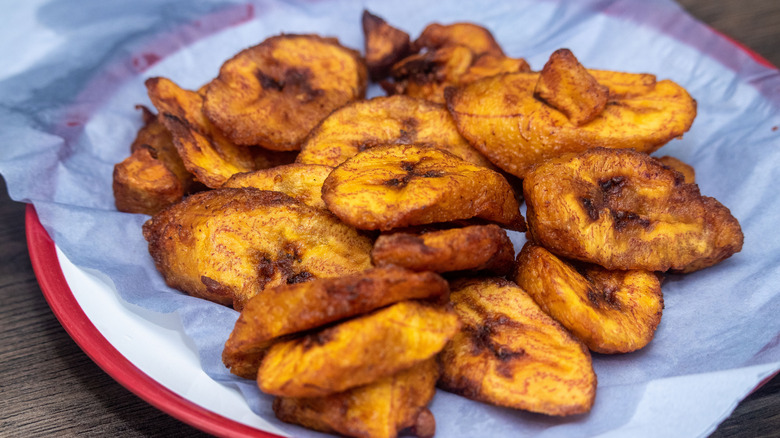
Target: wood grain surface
point(49, 387)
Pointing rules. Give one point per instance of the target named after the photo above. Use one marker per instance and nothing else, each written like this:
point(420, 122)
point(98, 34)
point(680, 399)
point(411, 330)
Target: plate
point(79, 293)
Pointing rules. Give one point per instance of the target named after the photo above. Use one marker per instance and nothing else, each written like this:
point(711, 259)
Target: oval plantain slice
point(381, 121)
point(274, 93)
point(501, 118)
point(471, 248)
point(381, 409)
point(510, 353)
point(215, 243)
point(300, 181)
point(401, 185)
point(358, 351)
point(622, 209)
point(206, 153)
point(610, 311)
point(291, 308)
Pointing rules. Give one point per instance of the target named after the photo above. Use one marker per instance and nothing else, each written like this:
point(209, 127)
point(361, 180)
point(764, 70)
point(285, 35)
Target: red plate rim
point(63, 304)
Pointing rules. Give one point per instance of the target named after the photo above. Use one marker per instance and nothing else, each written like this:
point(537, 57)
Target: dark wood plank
point(49, 387)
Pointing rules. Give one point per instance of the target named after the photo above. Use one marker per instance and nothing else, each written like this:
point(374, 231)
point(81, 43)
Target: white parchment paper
point(73, 71)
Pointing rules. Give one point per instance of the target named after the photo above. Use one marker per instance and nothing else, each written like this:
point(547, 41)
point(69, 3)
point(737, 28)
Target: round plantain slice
point(471, 248)
point(291, 308)
point(214, 244)
point(206, 153)
point(301, 181)
point(274, 93)
point(396, 186)
point(510, 353)
point(380, 409)
point(358, 351)
point(381, 121)
point(610, 311)
point(501, 117)
point(622, 209)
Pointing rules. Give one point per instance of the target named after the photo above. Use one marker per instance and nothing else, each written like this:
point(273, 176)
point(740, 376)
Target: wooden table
point(49, 387)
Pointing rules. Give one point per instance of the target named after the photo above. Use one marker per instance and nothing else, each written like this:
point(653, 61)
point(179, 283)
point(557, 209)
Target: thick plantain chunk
point(216, 244)
point(510, 353)
point(382, 121)
point(381, 409)
point(357, 352)
point(402, 185)
point(610, 311)
point(206, 153)
point(153, 176)
point(292, 308)
point(566, 85)
point(274, 93)
point(385, 45)
point(300, 181)
point(476, 38)
point(622, 209)
point(471, 248)
point(501, 117)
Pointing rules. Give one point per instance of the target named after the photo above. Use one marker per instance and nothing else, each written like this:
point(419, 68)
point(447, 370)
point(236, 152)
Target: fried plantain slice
point(501, 118)
point(610, 311)
point(274, 93)
point(687, 171)
point(566, 85)
point(510, 353)
point(301, 181)
point(476, 38)
point(213, 244)
point(384, 45)
point(204, 150)
point(291, 308)
point(401, 185)
point(381, 409)
point(385, 120)
point(358, 351)
point(153, 176)
point(472, 248)
point(622, 209)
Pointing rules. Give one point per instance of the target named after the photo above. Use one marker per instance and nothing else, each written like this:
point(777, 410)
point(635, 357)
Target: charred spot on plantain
point(624, 219)
point(603, 298)
point(481, 338)
point(215, 287)
point(296, 81)
point(612, 186)
point(590, 208)
point(316, 339)
point(411, 169)
point(300, 277)
point(408, 131)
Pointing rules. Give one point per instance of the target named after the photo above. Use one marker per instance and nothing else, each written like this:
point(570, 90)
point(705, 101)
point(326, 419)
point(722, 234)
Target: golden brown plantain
point(472, 248)
point(385, 45)
point(610, 311)
point(687, 171)
point(301, 181)
point(291, 308)
point(476, 38)
point(274, 93)
point(622, 209)
point(358, 351)
point(566, 85)
point(381, 409)
point(385, 120)
point(214, 244)
point(500, 117)
point(401, 185)
point(153, 176)
point(510, 353)
point(206, 153)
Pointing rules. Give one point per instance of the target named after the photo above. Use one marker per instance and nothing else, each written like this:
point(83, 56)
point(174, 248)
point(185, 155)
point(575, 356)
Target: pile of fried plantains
point(365, 242)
